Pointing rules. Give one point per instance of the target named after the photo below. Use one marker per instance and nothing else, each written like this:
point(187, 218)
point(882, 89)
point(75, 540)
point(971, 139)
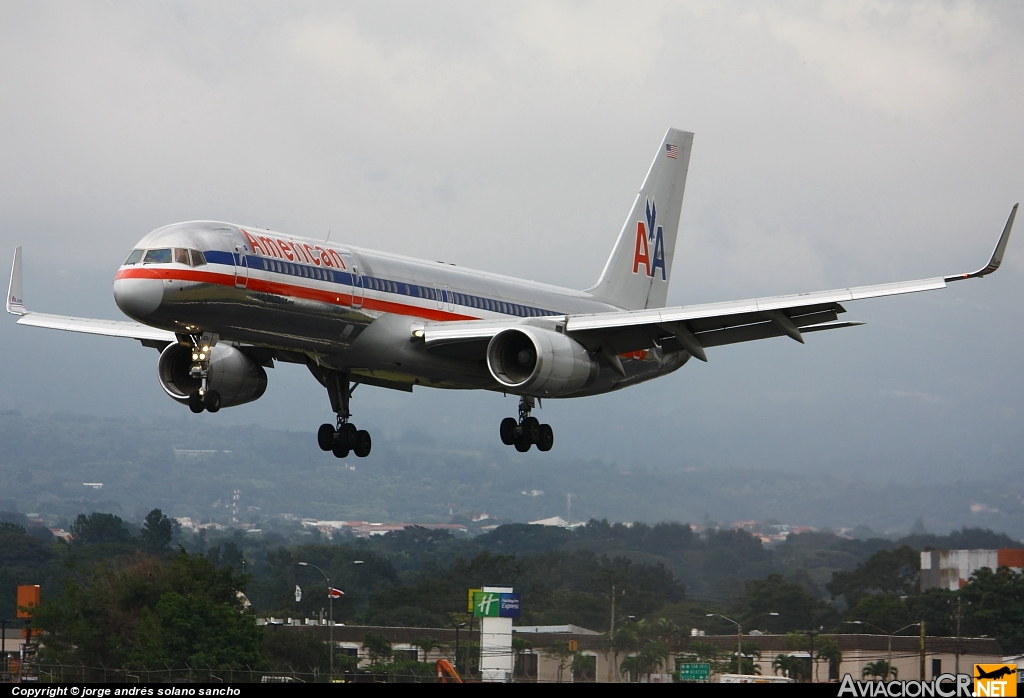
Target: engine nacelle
point(234, 375)
point(538, 362)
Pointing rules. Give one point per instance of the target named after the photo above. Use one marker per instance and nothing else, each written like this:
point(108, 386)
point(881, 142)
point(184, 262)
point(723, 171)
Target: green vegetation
point(120, 594)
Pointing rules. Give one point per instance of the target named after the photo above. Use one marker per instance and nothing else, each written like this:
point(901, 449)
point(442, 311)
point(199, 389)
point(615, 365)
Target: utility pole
point(956, 669)
point(611, 636)
point(922, 650)
point(3, 643)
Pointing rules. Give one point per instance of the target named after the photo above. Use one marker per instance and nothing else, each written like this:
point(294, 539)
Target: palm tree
point(880, 670)
point(831, 653)
point(426, 643)
point(790, 666)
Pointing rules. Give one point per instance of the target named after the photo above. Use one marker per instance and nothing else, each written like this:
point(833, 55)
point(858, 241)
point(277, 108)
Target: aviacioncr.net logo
point(995, 680)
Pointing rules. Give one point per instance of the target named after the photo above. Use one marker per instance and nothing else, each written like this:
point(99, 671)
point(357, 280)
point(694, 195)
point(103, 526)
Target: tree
point(377, 647)
point(561, 652)
point(882, 610)
point(647, 661)
point(829, 651)
point(175, 612)
point(791, 667)
point(796, 608)
point(287, 649)
point(96, 529)
point(893, 572)
point(748, 666)
point(426, 643)
point(993, 604)
point(157, 532)
point(879, 670)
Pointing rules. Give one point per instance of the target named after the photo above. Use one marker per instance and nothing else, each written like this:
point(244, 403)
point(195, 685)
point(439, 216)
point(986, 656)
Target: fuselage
point(339, 306)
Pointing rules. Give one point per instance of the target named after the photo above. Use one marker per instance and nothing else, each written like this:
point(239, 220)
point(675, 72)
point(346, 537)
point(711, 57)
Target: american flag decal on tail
point(671, 150)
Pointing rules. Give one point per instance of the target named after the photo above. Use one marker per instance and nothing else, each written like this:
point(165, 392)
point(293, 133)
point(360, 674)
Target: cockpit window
point(180, 256)
point(158, 257)
point(198, 259)
point(134, 257)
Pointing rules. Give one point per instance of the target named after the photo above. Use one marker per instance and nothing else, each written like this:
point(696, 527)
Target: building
point(860, 650)
point(951, 569)
point(544, 654)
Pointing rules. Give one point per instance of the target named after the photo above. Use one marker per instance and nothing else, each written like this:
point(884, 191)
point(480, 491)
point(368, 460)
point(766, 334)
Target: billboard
point(28, 598)
point(490, 604)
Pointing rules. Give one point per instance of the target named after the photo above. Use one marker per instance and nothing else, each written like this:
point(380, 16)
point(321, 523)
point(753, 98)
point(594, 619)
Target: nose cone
point(138, 298)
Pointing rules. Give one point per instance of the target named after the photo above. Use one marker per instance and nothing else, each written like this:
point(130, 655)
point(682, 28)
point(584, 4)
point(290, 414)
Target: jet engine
point(538, 362)
point(234, 375)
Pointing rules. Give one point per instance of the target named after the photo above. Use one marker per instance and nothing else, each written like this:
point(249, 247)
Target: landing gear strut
point(527, 431)
point(345, 437)
point(204, 398)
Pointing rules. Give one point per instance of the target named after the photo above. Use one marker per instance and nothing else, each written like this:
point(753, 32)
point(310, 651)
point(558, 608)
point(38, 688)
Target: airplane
point(222, 302)
point(995, 673)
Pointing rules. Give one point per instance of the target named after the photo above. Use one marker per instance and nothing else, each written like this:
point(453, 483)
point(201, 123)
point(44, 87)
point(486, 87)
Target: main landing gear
point(204, 398)
point(527, 431)
point(345, 438)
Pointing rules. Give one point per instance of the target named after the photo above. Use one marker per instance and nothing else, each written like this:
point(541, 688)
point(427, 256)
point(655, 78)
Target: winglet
point(997, 253)
point(15, 305)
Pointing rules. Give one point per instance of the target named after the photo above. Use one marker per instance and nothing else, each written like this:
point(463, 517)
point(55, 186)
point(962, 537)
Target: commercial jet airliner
point(222, 302)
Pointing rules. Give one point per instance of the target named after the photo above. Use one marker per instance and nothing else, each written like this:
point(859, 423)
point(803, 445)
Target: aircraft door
point(241, 268)
point(356, 288)
point(439, 296)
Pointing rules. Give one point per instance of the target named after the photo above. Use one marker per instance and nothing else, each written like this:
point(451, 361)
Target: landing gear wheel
point(508, 431)
point(340, 449)
point(363, 444)
point(546, 439)
point(325, 437)
point(211, 401)
point(523, 443)
point(531, 429)
point(348, 434)
point(195, 402)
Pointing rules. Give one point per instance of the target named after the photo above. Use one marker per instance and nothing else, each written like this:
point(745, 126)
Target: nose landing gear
point(527, 431)
point(204, 398)
point(345, 437)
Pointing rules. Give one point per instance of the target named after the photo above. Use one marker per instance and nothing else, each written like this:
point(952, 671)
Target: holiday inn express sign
point(489, 604)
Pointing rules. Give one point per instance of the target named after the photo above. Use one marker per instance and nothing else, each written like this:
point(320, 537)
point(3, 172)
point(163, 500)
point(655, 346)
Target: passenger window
point(134, 257)
point(198, 259)
point(180, 256)
point(158, 257)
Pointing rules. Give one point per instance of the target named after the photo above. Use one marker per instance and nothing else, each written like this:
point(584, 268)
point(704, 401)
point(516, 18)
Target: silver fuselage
point(344, 307)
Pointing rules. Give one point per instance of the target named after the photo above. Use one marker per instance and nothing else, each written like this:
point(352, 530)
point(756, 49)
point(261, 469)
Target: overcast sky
point(836, 143)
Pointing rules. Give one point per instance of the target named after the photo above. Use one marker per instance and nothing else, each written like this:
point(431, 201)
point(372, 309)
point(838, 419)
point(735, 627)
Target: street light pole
point(739, 640)
point(457, 626)
point(739, 636)
point(330, 603)
point(888, 666)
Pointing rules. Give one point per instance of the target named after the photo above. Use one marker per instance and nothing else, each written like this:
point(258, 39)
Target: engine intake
point(234, 375)
point(538, 362)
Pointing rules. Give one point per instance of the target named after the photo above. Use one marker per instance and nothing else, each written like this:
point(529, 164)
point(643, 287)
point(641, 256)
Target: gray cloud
point(837, 143)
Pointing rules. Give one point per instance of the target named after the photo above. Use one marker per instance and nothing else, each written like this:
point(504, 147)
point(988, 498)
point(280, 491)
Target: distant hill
point(190, 467)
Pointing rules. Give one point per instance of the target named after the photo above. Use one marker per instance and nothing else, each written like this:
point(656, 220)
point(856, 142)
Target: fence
point(57, 672)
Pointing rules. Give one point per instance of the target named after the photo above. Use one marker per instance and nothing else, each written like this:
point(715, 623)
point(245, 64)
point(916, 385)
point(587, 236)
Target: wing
point(694, 328)
point(108, 328)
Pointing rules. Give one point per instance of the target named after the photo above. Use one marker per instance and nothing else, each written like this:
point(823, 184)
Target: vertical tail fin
point(637, 273)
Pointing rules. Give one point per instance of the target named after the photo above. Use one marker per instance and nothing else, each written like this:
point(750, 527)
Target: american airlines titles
point(294, 251)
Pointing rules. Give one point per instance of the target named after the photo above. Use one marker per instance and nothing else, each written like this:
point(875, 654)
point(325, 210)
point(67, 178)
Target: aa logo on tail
point(995, 680)
point(647, 238)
